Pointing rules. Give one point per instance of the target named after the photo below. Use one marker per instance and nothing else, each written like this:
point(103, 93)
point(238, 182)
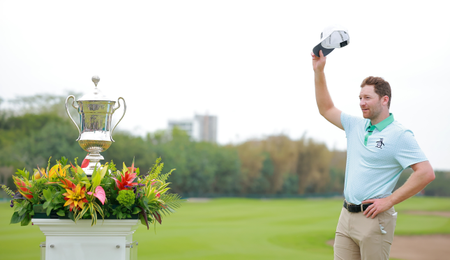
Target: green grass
point(238, 229)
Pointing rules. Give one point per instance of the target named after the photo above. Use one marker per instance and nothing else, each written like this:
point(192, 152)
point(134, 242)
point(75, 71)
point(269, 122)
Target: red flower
point(127, 178)
point(23, 187)
point(67, 184)
point(126, 181)
point(85, 163)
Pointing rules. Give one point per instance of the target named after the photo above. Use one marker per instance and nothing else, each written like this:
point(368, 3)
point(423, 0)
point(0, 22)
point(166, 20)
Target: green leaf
point(24, 173)
point(22, 211)
point(26, 220)
point(98, 175)
point(80, 215)
point(143, 220)
point(94, 218)
point(145, 201)
point(136, 210)
point(99, 210)
point(48, 194)
point(164, 177)
point(49, 210)
point(84, 180)
point(63, 161)
point(16, 218)
point(93, 214)
point(18, 207)
point(71, 215)
point(59, 199)
point(96, 179)
point(46, 204)
point(61, 213)
point(103, 171)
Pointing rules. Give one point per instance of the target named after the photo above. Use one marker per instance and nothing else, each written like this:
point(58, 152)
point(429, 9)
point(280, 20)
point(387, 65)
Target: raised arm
point(323, 98)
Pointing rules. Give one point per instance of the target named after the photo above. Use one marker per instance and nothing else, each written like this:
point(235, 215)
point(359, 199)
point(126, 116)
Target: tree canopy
point(31, 133)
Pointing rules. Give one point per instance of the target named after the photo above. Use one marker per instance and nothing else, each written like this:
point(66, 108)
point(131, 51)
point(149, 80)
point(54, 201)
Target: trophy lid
point(96, 95)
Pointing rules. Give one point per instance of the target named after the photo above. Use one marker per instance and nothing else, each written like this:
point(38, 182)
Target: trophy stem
point(94, 158)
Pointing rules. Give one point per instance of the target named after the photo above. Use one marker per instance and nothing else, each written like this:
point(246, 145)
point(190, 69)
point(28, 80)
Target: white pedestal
point(107, 240)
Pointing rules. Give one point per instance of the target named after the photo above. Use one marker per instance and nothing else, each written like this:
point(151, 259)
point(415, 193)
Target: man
point(378, 150)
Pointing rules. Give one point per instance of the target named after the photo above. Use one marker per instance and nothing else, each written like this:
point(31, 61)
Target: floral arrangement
point(65, 191)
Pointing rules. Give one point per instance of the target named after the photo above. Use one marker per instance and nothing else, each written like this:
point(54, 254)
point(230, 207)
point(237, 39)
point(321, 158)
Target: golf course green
point(237, 228)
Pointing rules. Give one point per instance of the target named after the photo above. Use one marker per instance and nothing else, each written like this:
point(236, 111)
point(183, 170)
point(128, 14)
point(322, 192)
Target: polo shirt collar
point(383, 124)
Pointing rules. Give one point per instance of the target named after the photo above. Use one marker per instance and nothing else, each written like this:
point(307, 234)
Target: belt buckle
point(362, 207)
point(347, 204)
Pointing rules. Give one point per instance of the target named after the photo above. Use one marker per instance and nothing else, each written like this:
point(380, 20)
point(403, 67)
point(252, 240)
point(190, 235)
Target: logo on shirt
point(380, 143)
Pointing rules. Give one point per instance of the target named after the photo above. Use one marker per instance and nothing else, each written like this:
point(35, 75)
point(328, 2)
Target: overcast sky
point(245, 61)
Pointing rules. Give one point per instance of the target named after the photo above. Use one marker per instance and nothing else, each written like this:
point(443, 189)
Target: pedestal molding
point(109, 239)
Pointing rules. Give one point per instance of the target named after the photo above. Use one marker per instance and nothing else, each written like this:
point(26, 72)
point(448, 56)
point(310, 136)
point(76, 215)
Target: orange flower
point(75, 197)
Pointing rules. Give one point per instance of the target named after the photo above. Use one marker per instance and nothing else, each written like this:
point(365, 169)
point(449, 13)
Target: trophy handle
point(68, 113)
point(124, 110)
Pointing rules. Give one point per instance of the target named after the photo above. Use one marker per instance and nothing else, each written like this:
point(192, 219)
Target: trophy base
point(94, 162)
point(94, 148)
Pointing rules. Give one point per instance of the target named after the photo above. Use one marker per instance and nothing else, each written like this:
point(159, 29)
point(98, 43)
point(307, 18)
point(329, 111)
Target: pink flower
point(99, 194)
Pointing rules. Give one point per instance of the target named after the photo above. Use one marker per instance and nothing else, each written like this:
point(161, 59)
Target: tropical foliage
point(64, 190)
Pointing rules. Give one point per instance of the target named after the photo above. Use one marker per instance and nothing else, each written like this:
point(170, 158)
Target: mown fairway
point(238, 229)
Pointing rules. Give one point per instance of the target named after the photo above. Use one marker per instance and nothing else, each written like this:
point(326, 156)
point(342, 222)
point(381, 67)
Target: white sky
point(246, 61)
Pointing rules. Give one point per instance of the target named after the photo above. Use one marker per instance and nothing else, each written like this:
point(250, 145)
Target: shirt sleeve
point(409, 151)
point(349, 122)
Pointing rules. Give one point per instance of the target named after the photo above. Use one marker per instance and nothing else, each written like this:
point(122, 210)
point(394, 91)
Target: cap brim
point(324, 50)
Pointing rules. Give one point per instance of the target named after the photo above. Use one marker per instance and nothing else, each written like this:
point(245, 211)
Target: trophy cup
point(95, 135)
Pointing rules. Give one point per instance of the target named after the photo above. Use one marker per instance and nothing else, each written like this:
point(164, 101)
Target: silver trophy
point(95, 112)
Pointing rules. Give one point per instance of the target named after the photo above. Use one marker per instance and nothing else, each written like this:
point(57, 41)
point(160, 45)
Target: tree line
point(38, 128)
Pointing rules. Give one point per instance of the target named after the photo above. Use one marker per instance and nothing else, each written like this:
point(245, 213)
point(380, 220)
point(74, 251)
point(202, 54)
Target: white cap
point(332, 37)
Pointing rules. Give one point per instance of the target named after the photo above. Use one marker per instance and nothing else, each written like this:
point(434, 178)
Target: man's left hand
point(378, 206)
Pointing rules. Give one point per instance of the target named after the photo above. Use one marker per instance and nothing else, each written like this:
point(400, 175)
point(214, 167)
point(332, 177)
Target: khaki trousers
point(362, 238)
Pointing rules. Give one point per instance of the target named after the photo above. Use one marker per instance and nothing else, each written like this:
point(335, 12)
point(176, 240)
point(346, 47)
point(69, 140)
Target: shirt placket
point(368, 133)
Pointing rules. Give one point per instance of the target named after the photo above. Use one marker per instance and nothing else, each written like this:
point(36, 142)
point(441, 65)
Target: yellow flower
point(37, 175)
point(75, 197)
point(57, 170)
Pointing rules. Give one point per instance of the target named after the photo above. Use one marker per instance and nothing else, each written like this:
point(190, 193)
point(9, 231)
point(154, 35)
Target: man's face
point(370, 102)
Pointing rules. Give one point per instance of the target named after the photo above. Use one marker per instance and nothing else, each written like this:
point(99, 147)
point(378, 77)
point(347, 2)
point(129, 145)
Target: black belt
point(355, 208)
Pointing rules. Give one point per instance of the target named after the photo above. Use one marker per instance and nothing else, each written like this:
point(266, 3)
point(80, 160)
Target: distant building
point(185, 124)
point(200, 128)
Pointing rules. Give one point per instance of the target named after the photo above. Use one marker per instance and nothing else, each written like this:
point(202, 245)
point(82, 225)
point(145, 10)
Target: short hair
point(381, 87)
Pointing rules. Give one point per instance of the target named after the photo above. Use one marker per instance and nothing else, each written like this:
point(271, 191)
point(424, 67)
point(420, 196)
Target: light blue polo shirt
point(376, 156)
